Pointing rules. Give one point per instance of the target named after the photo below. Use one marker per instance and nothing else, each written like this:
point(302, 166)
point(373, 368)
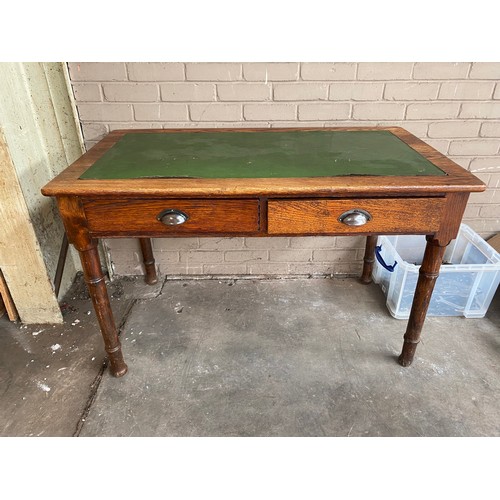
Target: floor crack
point(97, 381)
point(162, 287)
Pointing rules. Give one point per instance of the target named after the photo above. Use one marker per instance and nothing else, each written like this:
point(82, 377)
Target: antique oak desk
point(267, 182)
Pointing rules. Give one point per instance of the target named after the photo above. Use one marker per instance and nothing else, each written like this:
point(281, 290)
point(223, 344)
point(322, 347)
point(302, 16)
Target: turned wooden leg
point(429, 271)
point(99, 295)
point(369, 259)
point(149, 261)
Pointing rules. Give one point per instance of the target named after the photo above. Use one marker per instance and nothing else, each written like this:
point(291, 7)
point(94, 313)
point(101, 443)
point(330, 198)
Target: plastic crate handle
point(381, 260)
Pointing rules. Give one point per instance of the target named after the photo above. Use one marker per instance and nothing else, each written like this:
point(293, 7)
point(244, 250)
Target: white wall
point(42, 138)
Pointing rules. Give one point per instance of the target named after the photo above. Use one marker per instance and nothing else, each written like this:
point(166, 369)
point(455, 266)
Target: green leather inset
point(317, 153)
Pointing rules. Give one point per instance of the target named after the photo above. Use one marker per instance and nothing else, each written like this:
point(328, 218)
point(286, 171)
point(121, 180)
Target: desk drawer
point(130, 217)
point(388, 215)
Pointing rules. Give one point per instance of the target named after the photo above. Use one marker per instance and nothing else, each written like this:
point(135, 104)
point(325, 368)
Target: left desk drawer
point(156, 217)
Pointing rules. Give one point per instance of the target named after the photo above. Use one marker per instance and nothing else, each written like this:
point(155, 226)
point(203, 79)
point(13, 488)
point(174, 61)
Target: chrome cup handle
point(355, 217)
point(172, 217)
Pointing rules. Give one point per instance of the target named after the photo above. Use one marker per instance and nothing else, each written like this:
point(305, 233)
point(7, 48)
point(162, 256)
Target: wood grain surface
point(393, 215)
point(6, 302)
point(457, 178)
point(130, 217)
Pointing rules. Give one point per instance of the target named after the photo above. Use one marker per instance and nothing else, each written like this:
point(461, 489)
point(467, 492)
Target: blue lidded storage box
point(468, 279)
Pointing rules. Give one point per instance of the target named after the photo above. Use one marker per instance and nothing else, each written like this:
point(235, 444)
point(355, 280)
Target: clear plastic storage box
point(467, 281)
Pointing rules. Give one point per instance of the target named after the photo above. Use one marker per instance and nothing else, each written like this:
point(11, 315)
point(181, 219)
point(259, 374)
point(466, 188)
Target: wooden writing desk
point(267, 182)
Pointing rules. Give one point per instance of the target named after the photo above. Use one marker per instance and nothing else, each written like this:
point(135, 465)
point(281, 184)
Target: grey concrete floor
point(311, 357)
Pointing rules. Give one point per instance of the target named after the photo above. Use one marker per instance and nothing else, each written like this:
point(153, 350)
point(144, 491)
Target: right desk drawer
point(357, 215)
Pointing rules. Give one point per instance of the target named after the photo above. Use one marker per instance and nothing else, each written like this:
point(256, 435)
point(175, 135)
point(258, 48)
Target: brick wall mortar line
point(101, 94)
point(438, 93)
point(325, 102)
point(291, 82)
point(244, 250)
point(493, 92)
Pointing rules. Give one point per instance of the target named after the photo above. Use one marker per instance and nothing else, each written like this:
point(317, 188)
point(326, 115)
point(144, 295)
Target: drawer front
point(321, 216)
point(126, 217)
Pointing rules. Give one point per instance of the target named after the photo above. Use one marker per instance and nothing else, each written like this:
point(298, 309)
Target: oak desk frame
point(429, 205)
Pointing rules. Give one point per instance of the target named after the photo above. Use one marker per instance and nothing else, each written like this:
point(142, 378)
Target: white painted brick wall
point(271, 72)
point(322, 112)
point(135, 92)
point(188, 92)
point(404, 91)
point(244, 92)
point(491, 129)
point(384, 71)
point(155, 72)
point(432, 110)
point(214, 111)
point(466, 90)
point(354, 91)
point(328, 72)
point(440, 71)
point(453, 106)
point(98, 72)
point(87, 92)
point(378, 111)
point(272, 111)
point(448, 128)
point(480, 110)
point(167, 112)
point(213, 72)
point(486, 71)
point(300, 91)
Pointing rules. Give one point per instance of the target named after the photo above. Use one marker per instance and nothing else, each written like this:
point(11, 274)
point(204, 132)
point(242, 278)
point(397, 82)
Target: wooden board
point(8, 303)
point(494, 241)
point(20, 254)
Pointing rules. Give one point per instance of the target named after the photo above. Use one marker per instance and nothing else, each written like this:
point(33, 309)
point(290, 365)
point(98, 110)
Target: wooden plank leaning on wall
point(6, 302)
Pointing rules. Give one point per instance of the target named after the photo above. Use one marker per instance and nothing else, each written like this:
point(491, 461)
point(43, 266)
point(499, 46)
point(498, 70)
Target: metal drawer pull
point(356, 217)
point(171, 217)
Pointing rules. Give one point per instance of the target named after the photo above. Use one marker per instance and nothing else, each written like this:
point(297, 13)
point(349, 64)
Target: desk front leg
point(429, 271)
point(96, 285)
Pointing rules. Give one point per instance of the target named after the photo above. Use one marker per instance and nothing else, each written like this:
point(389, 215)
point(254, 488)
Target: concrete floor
point(312, 357)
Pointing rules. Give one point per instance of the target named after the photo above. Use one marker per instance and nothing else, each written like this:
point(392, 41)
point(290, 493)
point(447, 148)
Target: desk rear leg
point(149, 261)
point(369, 259)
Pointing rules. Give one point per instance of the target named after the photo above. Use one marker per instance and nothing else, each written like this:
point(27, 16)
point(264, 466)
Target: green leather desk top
point(303, 153)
